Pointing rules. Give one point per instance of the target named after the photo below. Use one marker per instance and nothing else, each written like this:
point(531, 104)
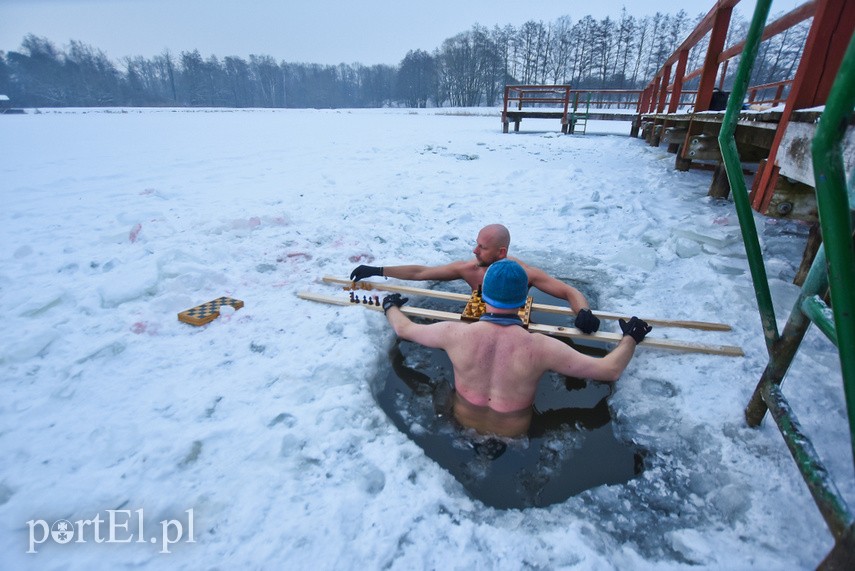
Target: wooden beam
point(782, 24)
point(552, 330)
point(833, 24)
point(557, 309)
point(677, 90)
point(794, 156)
point(718, 34)
point(663, 94)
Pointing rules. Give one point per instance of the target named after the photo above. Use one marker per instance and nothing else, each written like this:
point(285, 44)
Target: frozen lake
point(256, 441)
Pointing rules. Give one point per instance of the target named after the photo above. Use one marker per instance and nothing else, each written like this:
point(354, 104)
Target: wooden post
point(680, 163)
point(720, 186)
point(813, 242)
point(505, 110)
point(723, 74)
point(666, 76)
point(710, 69)
point(677, 91)
point(636, 124)
point(778, 94)
point(655, 93)
point(657, 135)
point(565, 127)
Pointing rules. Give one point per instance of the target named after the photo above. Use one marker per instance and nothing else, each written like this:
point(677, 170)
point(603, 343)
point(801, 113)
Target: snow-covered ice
point(263, 422)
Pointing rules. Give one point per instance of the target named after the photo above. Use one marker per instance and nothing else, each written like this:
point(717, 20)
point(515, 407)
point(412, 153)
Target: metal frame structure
point(833, 270)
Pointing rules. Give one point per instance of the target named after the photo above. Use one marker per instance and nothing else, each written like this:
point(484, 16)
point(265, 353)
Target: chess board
point(207, 312)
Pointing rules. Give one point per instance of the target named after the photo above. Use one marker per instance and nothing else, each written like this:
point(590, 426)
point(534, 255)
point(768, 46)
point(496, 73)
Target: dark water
point(570, 446)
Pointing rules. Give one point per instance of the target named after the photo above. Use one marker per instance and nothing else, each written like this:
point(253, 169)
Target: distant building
point(6, 106)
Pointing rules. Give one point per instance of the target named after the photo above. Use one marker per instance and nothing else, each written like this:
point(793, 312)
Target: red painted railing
point(664, 91)
point(826, 42)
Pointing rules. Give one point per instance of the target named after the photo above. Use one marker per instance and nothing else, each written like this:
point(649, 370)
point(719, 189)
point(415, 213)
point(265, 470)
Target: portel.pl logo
point(119, 526)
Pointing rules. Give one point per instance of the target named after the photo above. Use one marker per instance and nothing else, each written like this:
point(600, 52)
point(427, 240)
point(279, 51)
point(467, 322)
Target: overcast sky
point(311, 31)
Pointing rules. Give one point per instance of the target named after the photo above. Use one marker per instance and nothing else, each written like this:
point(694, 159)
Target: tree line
point(469, 69)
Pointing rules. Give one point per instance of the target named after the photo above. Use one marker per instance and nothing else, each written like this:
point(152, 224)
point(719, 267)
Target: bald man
point(491, 246)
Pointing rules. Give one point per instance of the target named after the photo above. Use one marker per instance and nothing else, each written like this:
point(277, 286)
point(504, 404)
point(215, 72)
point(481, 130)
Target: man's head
point(492, 244)
point(505, 285)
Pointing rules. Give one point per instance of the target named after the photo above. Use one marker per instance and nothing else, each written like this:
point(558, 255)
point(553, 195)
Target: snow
point(263, 422)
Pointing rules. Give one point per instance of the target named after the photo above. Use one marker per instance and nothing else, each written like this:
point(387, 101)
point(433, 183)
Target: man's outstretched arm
point(452, 271)
point(432, 335)
point(586, 321)
point(567, 361)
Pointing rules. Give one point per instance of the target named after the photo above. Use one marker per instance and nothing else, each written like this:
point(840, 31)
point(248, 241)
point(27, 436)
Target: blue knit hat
point(505, 285)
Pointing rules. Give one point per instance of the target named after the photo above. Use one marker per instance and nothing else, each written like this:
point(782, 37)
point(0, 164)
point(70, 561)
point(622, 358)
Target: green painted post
point(834, 219)
point(827, 497)
point(821, 316)
point(730, 157)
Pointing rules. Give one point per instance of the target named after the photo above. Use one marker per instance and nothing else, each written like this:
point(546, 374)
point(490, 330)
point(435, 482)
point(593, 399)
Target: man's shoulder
point(524, 264)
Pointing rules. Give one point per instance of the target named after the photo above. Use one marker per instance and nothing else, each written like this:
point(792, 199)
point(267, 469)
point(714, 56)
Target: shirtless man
point(496, 364)
point(491, 245)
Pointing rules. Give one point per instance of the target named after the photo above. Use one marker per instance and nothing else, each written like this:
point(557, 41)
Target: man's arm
point(434, 335)
point(565, 360)
point(585, 321)
point(447, 272)
point(554, 287)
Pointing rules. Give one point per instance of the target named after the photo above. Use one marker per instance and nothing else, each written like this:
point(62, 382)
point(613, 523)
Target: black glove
point(362, 272)
point(635, 328)
point(586, 321)
point(394, 299)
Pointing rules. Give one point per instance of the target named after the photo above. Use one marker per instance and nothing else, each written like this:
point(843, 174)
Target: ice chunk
point(636, 255)
point(720, 242)
point(687, 248)
point(128, 283)
point(28, 345)
point(690, 544)
point(373, 480)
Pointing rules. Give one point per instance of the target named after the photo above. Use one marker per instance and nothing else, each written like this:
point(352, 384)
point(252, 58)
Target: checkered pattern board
point(207, 312)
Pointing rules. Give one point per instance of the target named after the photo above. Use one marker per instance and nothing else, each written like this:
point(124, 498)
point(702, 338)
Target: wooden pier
point(778, 120)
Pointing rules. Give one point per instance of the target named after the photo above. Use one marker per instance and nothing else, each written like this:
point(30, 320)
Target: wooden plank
point(535, 114)
point(367, 285)
point(555, 331)
point(794, 155)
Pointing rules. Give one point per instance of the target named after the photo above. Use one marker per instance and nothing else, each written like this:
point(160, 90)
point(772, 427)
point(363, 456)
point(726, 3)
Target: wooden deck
point(693, 138)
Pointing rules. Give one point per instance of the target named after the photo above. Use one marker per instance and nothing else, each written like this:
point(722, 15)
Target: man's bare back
point(499, 366)
point(497, 363)
point(495, 366)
